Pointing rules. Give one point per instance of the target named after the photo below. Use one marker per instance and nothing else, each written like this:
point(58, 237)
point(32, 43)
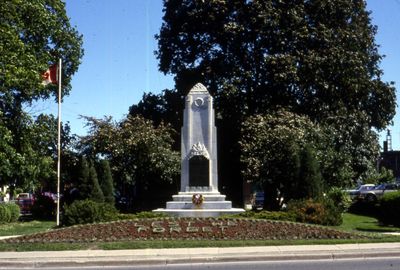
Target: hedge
point(389, 213)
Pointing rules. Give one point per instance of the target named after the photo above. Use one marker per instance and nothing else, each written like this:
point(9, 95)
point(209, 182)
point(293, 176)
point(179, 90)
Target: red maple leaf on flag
point(50, 75)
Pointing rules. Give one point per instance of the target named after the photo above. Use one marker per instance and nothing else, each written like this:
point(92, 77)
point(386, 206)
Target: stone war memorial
point(199, 195)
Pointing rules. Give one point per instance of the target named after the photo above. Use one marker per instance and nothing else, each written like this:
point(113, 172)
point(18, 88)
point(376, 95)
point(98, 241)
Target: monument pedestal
point(199, 161)
point(213, 205)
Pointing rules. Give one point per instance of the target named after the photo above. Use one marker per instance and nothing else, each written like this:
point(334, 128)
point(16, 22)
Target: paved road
point(342, 264)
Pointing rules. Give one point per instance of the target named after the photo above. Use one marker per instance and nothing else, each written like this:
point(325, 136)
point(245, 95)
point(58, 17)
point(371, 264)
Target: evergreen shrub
point(14, 210)
point(106, 182)
point(5, 214)
point(340, 198)
point(87, 211)
point(389, 213)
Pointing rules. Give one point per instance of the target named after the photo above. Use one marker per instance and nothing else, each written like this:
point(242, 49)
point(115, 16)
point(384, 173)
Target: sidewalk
point(38, 259)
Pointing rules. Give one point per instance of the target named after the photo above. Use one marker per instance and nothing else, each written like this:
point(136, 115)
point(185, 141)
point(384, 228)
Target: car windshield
point(366, 187)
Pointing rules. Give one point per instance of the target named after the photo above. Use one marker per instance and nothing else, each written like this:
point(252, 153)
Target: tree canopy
point(140, 155)
point(316, 57)
point(134, 146)
point(33, 36)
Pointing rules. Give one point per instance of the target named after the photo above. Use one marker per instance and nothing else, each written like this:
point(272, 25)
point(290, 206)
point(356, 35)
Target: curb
point(193, 255)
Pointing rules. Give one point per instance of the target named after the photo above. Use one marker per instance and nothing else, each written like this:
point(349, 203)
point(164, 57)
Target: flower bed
point(185, 228)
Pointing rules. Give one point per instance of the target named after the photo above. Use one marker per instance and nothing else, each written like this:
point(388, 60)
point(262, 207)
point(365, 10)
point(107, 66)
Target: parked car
point(355, 193)
point(376, 193)
point(258, 201)
point(51, 195)
point(25, 202)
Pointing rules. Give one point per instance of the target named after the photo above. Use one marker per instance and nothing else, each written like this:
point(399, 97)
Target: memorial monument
point(199, 195)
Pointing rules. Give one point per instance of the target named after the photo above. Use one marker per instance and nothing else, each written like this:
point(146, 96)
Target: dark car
point(25, 202)
point(258, 201)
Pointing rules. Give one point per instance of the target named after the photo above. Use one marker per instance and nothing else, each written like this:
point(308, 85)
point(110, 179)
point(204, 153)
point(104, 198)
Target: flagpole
point(59, 142)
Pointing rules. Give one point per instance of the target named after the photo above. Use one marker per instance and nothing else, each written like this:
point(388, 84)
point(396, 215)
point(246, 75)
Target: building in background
point(389, 158)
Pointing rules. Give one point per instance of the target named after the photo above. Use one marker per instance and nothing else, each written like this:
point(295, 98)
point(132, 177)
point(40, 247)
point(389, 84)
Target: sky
point(119, 64)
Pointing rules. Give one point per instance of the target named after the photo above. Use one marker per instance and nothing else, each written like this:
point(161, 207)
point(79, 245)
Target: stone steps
point(187, 197)
point(213, 205)
point(200, 213)
point(203, 206)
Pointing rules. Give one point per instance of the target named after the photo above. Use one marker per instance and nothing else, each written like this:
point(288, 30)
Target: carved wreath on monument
point(198, 149)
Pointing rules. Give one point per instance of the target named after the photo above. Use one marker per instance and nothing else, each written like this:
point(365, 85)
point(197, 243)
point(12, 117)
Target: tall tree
point(271, 153)
point(95, 194)
point(34, 34)
point(141, 156)
point(313, 57)
point(310, 182)
point(106, 181)
point(83, 181)
point(288, 152)
point(7, 153)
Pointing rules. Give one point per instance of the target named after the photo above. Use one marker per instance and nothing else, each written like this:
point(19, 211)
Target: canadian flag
point(50, 75)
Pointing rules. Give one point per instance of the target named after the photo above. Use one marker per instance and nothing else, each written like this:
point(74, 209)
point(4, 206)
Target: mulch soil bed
point(185, 228)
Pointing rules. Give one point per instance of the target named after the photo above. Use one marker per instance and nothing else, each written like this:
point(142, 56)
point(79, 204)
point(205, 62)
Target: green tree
point(310, 182)
point(166, 107)
point(140, 155)
point(315, 58)
point(106, 181)
point(271, 146)
point(44, 143)
point(7, 153)
point(83, 181)
point(286, 152)
point(302, 54)
point(382, 176)
point(33, 164)
point(354, 146)
point(96, 194)
point(34, 35)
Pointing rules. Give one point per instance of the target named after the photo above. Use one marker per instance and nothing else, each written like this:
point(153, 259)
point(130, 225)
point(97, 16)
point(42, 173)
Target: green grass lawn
point(352, 222)
point(26, 227)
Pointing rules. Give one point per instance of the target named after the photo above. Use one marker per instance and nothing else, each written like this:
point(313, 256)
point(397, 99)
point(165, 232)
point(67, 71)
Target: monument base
point(213, 205)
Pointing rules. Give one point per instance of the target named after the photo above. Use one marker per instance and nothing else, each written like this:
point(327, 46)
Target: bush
point(44, 208)
point(5, 214)
point(323, 212)
point(389, 213)
point(86, 211)
point(340, 198)
point(15, 211)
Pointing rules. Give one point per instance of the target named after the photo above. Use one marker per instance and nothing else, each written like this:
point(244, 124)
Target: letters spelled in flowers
point(197, 199)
